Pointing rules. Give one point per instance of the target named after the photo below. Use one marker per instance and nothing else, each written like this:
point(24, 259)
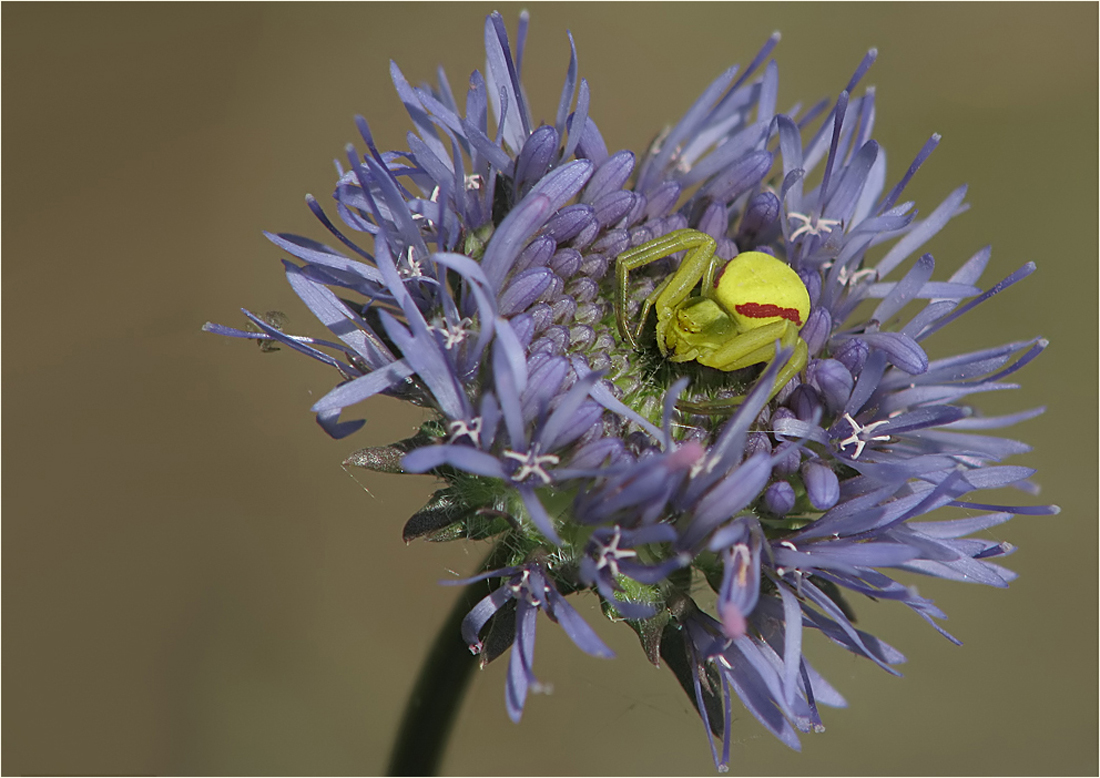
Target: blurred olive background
point(192, 584)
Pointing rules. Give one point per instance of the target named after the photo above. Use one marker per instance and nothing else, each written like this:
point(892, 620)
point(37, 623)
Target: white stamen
point(741, 558)
point(610, 553)
point(471, 430)
point(523, 587)
point(453, 334)
point(532, 463)
point(859, 275)
point(413, 267)
point(857, 430)
point(848, 277)
point(812, 226)
point(682, 165)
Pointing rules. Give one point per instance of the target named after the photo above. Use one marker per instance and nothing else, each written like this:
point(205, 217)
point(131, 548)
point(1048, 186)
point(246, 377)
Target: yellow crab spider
point(742, 308)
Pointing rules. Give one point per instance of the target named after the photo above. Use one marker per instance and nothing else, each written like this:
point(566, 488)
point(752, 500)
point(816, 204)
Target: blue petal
point(512, 235)
point(922, 231)
point(512, 113)
point(365, 386)
point(297, 344)
point(734, 152)
point(902, 350)
point(535, 158)
point(557, 428)
point(330, 423)
point(997, 476)
point(577, 121)
point(480, 614)
point(392, 198)
point(822, 485)
point(524, 290)
point(520, 674)
point(609, 177)
point(837, 627)
point(792, 643)
point(591, 145)
point(337, 317)
point(905, 290)
point(843, 199)
point(730, 445)
point(542, 386)
point(760, 701)
point(740, 177)
point(538, 514)
point(466, 458)
point(729, 497)
point(320, 254)
point(582, 635)
point(508, 393)
point(601, 394)
point(426, 357)
point(568, 88)
point(416, 111)
point(653, 171)
point(922, 155)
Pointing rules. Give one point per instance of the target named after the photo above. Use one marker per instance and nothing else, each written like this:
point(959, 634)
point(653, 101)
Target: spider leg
point(797, 361)
point(676, 287)
point(711, 407)
point(758, 345)
point(647, 306)
point(723, 406)
point(752, 347)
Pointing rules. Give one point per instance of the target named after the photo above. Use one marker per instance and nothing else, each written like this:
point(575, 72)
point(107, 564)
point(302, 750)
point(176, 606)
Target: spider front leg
point(673, 290)
point(752, 347)
point(721, 407)
point(756, 346)
point(795, 363)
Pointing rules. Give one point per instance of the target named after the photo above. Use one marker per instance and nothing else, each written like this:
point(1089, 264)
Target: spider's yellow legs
point(674, 289)
point(786, 373)
point(752, 347)
point(743, 308)
point(758, 346)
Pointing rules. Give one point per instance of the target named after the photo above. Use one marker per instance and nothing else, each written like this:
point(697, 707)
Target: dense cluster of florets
point(488, 295)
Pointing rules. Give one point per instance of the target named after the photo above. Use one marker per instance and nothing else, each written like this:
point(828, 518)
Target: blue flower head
point(607, 408)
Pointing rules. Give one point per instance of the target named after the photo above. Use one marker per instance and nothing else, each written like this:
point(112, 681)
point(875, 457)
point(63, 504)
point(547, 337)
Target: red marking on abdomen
point(768, 311)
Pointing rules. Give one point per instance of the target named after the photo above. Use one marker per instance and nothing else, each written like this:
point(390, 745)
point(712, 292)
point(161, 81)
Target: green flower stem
point(437, 695)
